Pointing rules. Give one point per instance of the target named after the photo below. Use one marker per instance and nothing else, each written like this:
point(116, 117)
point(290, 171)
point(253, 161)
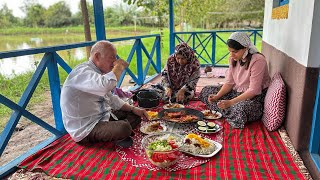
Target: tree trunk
point(85, 17)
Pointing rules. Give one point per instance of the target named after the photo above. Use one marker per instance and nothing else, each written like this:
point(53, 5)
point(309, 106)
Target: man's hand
point(141, 112)
point(180, 95)
point(119, 66)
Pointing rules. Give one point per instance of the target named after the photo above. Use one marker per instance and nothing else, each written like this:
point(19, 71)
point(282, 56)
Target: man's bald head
point(101, 47)
point(103, 54)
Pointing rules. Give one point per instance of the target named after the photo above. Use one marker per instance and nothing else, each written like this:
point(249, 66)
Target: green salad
point(160, 145)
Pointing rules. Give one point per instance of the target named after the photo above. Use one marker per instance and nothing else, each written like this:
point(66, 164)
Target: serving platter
point(173, 106)
point(198, 115)
point(217, 128)
point(208, 114)
point(218, 147)
point(144, 128)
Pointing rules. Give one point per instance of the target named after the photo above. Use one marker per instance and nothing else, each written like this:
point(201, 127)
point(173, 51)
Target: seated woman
point(180, 75)
point(241, 98)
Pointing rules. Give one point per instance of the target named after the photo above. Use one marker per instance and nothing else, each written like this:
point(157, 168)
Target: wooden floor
point(217, 78)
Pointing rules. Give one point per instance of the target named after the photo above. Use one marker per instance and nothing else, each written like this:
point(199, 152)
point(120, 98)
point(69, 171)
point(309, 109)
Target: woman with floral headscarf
point(181, 74)
point(241, 98)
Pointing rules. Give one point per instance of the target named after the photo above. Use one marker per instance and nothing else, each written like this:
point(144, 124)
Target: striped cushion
point(275, 103)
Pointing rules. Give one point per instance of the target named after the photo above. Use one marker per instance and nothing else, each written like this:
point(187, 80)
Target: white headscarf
point(244, 40)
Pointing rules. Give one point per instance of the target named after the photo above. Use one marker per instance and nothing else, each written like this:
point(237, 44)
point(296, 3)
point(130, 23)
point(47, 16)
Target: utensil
point(114, 116)
point(171, 126)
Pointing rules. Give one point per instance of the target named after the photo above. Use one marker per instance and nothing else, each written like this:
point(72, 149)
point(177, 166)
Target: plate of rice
point(208, 114)
point(173, 106)
point(196, 145)
point(153, 127)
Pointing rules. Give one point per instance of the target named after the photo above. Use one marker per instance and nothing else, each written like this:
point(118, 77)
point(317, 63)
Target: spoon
point(169, 100)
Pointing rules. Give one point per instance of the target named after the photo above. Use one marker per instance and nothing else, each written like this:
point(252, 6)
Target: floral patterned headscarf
point(180, 75)
point(244, 40)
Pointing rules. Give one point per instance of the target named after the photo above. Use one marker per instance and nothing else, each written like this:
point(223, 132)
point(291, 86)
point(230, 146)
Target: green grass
point(14, 88)
point(75, 29)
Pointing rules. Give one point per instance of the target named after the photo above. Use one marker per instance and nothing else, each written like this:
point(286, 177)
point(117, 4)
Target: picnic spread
point(249, 153)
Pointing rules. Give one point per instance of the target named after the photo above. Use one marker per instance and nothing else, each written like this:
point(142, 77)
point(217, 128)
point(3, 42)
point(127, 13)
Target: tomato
point(158, 157)
point(177, 153)
point(173, 144)
point(172, 156)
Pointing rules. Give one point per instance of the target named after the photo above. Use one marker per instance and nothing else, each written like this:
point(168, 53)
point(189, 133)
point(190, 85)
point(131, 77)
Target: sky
point(15, 5)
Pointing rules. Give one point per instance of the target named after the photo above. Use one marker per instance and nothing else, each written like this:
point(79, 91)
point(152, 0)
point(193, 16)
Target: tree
point(6, 17)
point(34, 15)
point(58, 15)
point(121, 14)
point(206, 13)
point(86, 24)
point(157, 8)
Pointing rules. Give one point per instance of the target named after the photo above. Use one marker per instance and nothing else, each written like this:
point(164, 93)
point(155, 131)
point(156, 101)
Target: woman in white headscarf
point(241, 98)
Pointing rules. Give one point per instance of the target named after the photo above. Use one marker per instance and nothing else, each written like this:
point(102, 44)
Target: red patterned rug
point(249, 153)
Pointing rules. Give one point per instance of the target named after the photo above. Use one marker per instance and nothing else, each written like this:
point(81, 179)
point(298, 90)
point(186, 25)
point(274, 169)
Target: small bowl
point(210, 74)
point(163, 149)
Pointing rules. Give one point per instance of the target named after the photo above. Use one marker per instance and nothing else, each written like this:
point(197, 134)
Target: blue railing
point(50, 61)
point(206, 43)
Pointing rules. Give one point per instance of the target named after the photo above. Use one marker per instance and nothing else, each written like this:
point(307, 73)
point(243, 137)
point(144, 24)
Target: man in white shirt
point(90, 112)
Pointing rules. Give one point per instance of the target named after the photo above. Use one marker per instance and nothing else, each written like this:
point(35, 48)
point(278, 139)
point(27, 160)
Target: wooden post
point(86, 24)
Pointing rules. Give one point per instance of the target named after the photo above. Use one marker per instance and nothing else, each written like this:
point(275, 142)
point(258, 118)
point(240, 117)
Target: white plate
point(219, 115)
point(167, 106)
point(144, 128)
point(218, 148)
point(206, 132)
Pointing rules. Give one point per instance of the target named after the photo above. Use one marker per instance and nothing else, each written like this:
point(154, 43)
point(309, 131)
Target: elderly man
point(90, 112)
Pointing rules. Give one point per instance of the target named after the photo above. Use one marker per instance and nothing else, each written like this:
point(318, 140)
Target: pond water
point(21, 64)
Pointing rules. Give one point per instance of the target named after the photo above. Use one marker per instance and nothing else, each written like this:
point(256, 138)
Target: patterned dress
point(176, 76)
point(239, 114)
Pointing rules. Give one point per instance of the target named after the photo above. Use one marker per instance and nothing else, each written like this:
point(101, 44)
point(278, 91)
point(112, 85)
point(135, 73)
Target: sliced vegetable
point(211, 124)
point(202, 128)
point(211, 129)
point(201, 123)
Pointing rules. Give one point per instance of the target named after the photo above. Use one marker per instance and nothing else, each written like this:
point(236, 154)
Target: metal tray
point(188, 111)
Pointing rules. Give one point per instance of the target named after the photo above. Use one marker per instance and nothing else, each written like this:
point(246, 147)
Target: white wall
point(299, 35)
point(314, 54)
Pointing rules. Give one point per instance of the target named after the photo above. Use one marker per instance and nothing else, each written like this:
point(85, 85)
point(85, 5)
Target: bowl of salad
point(163, 149)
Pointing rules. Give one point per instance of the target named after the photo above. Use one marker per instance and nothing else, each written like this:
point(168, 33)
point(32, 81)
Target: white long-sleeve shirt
point(86, 99)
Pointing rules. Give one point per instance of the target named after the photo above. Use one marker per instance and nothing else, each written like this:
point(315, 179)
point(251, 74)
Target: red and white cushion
point(275, 103)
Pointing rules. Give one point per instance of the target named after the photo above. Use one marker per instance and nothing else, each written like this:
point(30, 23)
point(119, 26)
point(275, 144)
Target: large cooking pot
point(148, 98)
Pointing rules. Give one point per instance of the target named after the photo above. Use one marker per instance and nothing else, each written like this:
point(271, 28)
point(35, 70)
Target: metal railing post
point(213, 56)
point(158, 51)
point(139, 63)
